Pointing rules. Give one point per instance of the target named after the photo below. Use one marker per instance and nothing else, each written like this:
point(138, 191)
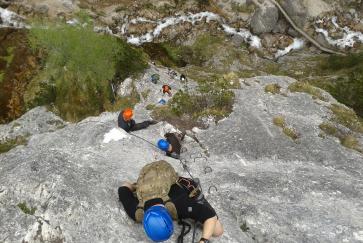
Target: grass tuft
point(288, 131)
point(244, 227)
point(307, 88)
point(347, 117)
point(150, 107)
point(9, 144)
point(279, 121)
point(23, 207)
point(273, 88)
point(346, 139)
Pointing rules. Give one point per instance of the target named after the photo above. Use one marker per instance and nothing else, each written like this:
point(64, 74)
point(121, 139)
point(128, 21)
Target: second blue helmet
point(163, 145)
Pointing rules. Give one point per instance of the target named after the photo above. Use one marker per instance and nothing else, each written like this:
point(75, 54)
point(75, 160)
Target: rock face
point(296, 10)
point(308, 190)
point(264, 19)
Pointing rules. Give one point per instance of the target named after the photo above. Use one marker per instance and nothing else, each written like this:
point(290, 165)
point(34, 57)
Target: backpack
point(155, 180)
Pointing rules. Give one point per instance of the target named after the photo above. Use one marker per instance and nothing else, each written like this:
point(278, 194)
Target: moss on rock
point(273, 88)
point(307, 88)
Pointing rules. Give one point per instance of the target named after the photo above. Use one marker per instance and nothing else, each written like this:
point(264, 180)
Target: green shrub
point(150, 107)
point(23, 207)
point(9, 144)
point(288, 131)
point(279, 121)
point(1, 76)
point(346, 139)
point(212, 97)
point(348, 87)
point(244, 227)
point(273, 88)
point(81, 63)
point(347, 117)
point(307, 88)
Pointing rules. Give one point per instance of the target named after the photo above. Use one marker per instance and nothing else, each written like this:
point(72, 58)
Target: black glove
point(152, 122)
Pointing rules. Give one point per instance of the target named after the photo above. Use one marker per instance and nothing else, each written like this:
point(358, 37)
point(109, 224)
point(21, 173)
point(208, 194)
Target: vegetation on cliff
point(79, 67)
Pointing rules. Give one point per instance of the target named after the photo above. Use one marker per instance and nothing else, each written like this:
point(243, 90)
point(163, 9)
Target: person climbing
point(172, 144)
point(183, 78)
point(160, 196)
point(126, 122)
point(155, 78)
point(166, 89)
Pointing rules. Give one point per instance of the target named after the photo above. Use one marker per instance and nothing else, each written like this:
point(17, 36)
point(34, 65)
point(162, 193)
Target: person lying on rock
point(172, 144)
point(166, 89)
point(126, 122)
point(161, 196)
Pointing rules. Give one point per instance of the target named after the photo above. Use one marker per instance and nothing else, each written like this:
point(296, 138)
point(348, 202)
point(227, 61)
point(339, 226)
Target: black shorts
point(128, 200)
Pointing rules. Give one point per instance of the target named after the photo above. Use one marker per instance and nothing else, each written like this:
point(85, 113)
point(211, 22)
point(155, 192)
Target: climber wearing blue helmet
point(163, 145)
point(158, 224)
point(172, 144)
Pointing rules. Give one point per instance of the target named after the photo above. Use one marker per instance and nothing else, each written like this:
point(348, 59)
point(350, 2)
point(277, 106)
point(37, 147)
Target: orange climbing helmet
point(127, 114)
point(166, 88)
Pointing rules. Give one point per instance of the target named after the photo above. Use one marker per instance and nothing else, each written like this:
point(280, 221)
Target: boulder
point(264, 19)
point(315, 8)
point(296, 10)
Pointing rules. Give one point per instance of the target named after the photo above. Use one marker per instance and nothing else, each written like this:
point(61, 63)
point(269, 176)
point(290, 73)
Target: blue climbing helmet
point(158, 224)
point(163, 145)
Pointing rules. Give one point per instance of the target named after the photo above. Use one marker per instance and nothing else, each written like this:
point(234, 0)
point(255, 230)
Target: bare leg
point(218, 230)
point(129, 185)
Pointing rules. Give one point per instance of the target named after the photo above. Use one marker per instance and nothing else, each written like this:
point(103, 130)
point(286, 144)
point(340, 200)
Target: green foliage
point(328, 128)
point(171, 55)
point(307, 88)
point(80, 65)
point(347, 117)
point(273, 88)
point(244, 227)
point(125, 102)
point(204, 48)
point(346, 139)
point(213, 97)
point(150, 107)
point(348, 88)
point(245, 8)
point(279, 121)
point(9, 144)
point(288, 131)
point(1, 76)
point(23, 207)
point(10, 57)
point(203, 3)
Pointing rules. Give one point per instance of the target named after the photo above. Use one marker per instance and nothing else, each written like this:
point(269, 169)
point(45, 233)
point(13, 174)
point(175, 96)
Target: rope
point(143, 139)
point(194, 230)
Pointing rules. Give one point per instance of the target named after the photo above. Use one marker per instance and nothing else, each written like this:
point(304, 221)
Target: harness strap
point(183, 232)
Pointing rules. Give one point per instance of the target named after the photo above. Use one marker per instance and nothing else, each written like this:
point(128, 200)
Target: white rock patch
point(10, 19)
point(191, 18)
point(115, 134)
point(349, 37)
point(296, 45)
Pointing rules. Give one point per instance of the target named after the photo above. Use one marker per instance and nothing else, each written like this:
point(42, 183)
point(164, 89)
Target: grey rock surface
point(296, 10)
point(264, 19)
point(304, 191)
point(309, 190)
